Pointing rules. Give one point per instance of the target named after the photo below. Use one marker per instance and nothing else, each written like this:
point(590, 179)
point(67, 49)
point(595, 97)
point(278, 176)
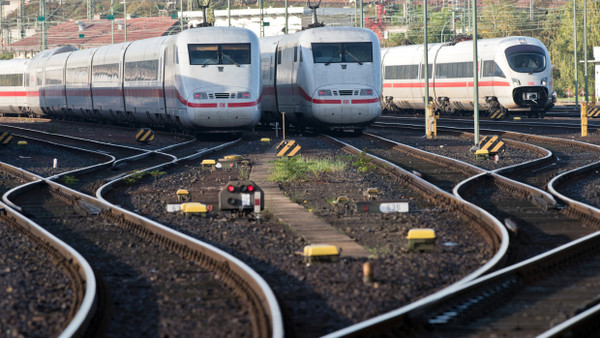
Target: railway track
point(519, 294)
point(142, 284)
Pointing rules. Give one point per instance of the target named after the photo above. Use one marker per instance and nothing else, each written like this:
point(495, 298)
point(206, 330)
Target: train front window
point(219, 54)
point(526, 59)
point(236, 54)
point(349, 52)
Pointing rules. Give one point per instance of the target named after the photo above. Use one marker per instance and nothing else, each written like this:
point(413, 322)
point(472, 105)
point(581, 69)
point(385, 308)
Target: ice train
point(324, 78)
point(514, 75)
point(200, 79)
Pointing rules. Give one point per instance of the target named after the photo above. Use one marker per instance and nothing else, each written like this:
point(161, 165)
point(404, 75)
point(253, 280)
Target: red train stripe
point(438, 84)
point(365, 101)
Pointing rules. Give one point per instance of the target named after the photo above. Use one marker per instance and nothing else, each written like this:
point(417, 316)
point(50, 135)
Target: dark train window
point(526, 58)
point(355, 52)
point(402, 72)
point(278, 55)
point(146, 70)
point(429, 73)
point(491, 68)
point(454, 70)
point(106, 72)
point(11, 80)
point(54, 77)
point(77, 75)
point(219, 54)
point(295, 53)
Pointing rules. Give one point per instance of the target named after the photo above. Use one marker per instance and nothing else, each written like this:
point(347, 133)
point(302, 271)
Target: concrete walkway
point(310, 227)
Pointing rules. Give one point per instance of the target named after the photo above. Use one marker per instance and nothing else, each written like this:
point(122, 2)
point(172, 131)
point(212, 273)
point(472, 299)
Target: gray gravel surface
point(322, 297)
point(35, 295)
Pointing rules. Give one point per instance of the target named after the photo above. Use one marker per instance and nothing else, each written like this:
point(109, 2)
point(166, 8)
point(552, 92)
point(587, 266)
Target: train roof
point(502, 42)
point(214, 34)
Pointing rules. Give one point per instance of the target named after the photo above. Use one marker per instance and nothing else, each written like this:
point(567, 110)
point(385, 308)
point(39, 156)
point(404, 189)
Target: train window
point(235, 54)
point(106, 72)
point(278, 55)
point(491, 68)
point(295, 53)
point(77, 75)
point(356, 52)
point(146, 70)
point(54, 77)
point(526, 58)
point(429, 73)
point(454, 70)
point(11, 80)
point(219, 54)
point(401, 72)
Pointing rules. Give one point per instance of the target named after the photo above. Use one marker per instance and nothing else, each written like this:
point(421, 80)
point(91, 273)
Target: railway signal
point(242, 195)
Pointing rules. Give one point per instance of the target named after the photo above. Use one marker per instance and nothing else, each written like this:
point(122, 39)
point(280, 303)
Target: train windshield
point(357, 52)
point(219, 54)
point(526, 59)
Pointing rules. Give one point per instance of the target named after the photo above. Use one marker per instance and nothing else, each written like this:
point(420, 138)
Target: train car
point(213, 79)
point(13, 94)
point(323, 78)
point(204, 79)
point(514, 75)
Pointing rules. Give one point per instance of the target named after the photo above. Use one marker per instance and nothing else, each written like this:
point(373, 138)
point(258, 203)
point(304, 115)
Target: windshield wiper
point(209, 60)
point(354, 57)
point(232, 60)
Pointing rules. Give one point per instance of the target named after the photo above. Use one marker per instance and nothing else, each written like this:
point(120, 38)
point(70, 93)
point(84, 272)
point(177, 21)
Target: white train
point(325, 78)
point(200, 79)
point(515, 74)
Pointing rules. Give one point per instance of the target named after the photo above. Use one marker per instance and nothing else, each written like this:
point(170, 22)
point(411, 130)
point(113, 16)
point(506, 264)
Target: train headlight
point(200, 96)
point(366, 92)
point(242, 95)
point(544, 81)
point(516, 82)
point(324, 92)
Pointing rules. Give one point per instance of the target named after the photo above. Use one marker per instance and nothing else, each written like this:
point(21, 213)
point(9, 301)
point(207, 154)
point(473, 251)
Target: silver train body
point(200, 79)
point(514, 74)
point(325, 78)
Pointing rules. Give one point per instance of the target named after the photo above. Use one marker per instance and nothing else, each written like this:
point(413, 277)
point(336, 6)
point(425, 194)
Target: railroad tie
point(310, 227)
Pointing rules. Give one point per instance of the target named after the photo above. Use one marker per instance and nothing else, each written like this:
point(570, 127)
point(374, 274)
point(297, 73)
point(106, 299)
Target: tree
point(561, 49)
point(500, 18)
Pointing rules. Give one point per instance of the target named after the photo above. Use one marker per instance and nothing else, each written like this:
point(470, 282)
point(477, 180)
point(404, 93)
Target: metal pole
point(1, 25)
point(112, 22)
point(286, 17)
point(585, 59)
point(575, 50)
point(475, 79)
point(531, 10)
point(181, 16)
point(425, 61)
point(43, 31)
point(262, 19)
point(356, 13)
point(125, 17)
point(362, 15)
point(229, 13)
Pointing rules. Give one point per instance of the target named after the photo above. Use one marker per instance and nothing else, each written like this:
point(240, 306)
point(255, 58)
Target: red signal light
point(250, 188)
point(365, 208)
point(230, 188)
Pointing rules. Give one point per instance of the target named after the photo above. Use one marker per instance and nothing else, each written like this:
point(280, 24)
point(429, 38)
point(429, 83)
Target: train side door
point(294, 79)
point(282, 81)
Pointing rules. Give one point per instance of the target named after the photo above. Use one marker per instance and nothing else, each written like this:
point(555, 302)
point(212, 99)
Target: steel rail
point(436, 194)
